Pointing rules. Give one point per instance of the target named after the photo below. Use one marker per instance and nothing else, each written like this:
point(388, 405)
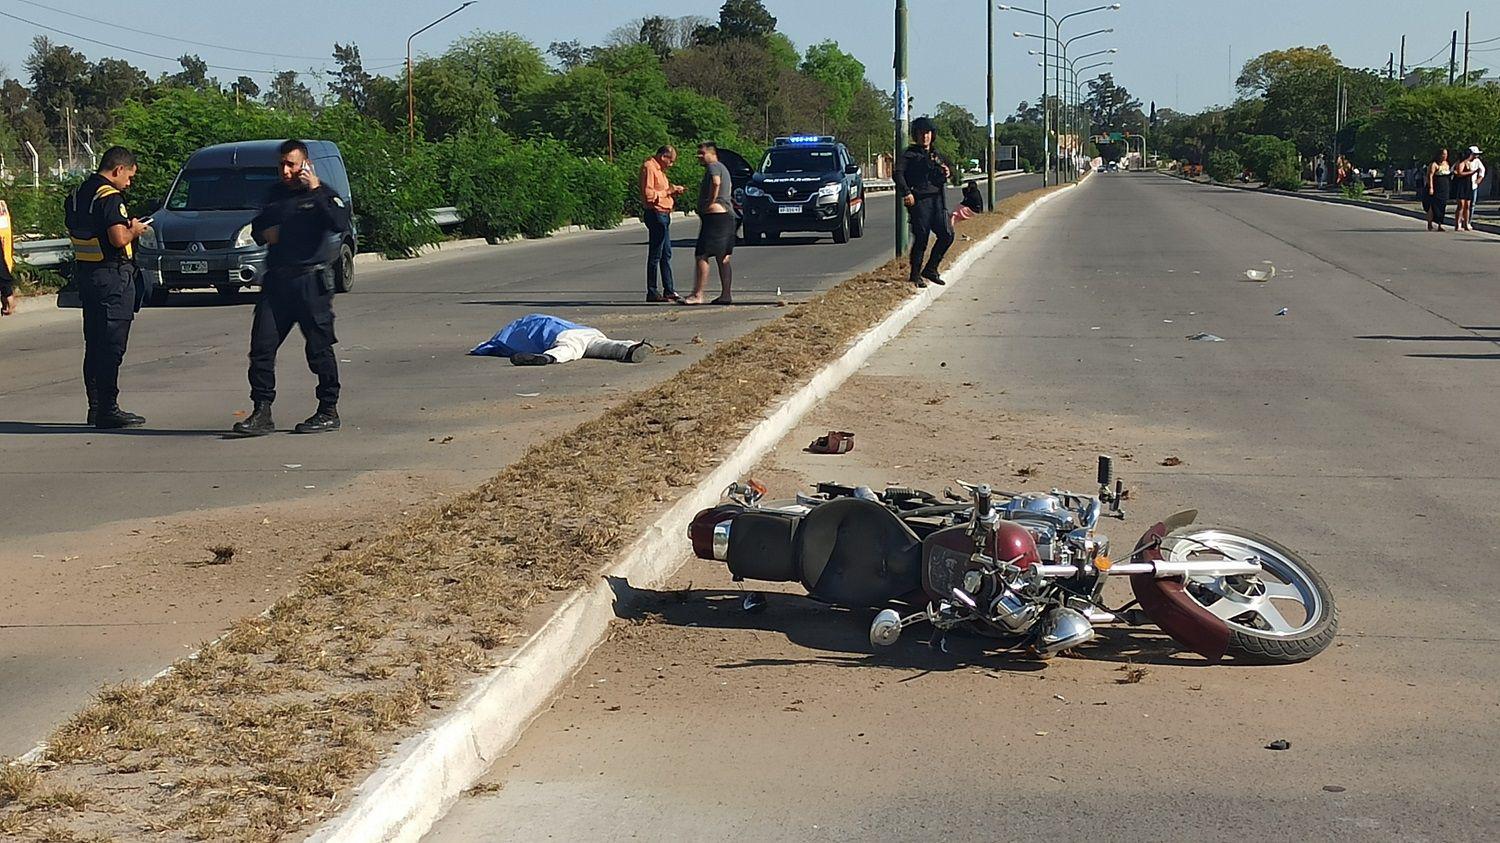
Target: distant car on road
point(200, 235)
point(805, 183)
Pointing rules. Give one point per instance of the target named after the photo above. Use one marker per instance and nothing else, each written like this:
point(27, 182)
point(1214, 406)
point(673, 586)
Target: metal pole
point(1453, 58)
point(411, 102)
point(1403, 58)
point(989, 100)
point(36, 167)
point(1466, 48)
point(1046, 106)
point(902, 118)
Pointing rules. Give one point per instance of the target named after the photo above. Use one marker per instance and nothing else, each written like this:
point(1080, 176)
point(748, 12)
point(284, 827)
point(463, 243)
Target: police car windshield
point(800, 160)
point(240, 189)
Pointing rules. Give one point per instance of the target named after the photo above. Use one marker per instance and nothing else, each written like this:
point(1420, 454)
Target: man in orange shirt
point(658, 195)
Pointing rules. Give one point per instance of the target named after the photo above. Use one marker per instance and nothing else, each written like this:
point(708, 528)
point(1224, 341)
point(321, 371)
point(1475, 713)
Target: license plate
point(789, 209)
point(194, 268)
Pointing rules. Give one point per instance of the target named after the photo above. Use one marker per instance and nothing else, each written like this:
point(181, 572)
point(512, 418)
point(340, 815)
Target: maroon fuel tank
point(947, 556)
point(1168, 605)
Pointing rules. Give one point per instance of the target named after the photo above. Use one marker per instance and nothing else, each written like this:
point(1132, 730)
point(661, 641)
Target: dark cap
point(922, 124)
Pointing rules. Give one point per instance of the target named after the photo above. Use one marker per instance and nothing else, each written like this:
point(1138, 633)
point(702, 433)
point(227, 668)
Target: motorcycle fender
point(1168, 605)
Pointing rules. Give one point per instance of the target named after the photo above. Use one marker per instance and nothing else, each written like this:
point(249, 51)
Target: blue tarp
point(534, 334)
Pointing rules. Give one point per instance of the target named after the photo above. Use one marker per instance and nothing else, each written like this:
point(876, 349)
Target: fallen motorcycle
point(1029, 567)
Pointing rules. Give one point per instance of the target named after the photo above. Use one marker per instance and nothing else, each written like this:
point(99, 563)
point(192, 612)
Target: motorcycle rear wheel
point(1284, 615)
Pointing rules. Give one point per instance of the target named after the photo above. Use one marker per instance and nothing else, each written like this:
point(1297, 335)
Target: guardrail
point(45, 253)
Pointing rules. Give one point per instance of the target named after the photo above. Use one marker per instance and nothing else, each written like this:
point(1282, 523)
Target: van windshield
point(241, 189)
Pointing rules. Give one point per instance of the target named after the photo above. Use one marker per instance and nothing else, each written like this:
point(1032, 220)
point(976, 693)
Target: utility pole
point(1403, 58)
point(902, 117)
point(989, 99)
point(1452, 58)
point(1466, 48)
point(1390, 68)
point(1046, 106)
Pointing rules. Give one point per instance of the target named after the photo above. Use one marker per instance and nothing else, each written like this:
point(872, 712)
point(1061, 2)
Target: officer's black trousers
point(288, 298)
point(929, 218)
point(108, 295)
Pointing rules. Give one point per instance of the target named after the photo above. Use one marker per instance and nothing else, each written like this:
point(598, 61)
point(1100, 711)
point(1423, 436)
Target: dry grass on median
point(266, 730)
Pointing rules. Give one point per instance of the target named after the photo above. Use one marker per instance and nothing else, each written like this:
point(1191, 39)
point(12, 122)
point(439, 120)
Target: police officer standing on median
point(301, 224)
point(103, 235)
point(921, 177)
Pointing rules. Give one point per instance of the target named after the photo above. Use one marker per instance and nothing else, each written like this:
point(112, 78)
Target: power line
point(174, 38)
point(170, 58)
point(1433, 56)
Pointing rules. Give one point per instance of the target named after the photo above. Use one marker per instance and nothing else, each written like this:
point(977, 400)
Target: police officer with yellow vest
point(7, 280)
point(299, 224)
point(103, 234)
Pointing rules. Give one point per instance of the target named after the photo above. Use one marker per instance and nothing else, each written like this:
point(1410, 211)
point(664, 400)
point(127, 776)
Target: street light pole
point(411, 101)
point(989, 99)
point(902, 116)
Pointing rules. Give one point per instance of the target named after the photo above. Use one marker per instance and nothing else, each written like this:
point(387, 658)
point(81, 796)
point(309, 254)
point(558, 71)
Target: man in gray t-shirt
point(717, 225)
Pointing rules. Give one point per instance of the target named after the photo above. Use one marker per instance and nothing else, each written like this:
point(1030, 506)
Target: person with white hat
point(1476, 178)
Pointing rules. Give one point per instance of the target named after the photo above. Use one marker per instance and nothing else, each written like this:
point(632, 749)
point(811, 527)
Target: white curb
point(409, 793)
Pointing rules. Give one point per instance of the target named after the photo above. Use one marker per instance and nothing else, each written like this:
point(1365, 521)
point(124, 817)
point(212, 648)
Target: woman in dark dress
point(1463, 188)
point(1439, 180)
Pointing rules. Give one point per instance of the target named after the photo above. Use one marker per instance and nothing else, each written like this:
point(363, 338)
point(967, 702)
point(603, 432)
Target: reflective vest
point(86, 245)
point(6, 246)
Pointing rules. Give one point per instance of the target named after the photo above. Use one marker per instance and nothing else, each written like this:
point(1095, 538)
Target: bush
point(1262, 153)
point(37, 211)
point(1224, 165)
point(1285, 174)
point(1354, 190)
point(531, 188)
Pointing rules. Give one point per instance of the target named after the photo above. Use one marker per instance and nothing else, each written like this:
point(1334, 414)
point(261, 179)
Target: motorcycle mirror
point(1106, 469)
point(886, 628)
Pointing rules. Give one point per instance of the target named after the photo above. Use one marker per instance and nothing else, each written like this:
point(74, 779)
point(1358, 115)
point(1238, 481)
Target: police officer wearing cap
point(921, 176)
point(299, 224)
point(103, 234)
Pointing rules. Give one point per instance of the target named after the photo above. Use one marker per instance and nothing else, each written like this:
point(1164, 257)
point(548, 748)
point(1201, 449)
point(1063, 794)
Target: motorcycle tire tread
point(1259, 649)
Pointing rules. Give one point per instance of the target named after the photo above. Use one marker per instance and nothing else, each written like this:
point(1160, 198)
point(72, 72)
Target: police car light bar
point(796, 139)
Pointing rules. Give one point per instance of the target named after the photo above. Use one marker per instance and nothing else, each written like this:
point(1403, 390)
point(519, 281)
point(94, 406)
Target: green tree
point(246, 87)
point(1300, 103)
point(1262, 153)
point(841, 73)
point(1421, 120)
point(194, 74)
point(350, 83)
point(1111, 108)
point(1260, 74)
point(287, 94)
point(57, 73)
point(959, 132)
point(503, 63)
point(1224, 165)
point(739, 20)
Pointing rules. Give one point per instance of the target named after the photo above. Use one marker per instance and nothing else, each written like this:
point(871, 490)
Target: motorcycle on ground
point(1028, 567)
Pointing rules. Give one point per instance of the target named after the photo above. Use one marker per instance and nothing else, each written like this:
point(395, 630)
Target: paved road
point(416, 410)
point(1358, 428)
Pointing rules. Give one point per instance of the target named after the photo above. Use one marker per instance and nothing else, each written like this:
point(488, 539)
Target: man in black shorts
point(716, 231)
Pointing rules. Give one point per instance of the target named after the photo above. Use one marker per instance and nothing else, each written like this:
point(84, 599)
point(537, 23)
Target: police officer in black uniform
point(7, 287)
point(300, 223)
point(921, 176)
point(103, 235)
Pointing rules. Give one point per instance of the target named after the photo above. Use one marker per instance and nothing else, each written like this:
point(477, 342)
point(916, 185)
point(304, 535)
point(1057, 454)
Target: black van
point(200, 236)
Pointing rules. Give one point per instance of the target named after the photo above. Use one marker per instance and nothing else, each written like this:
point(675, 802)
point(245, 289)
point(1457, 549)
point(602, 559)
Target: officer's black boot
point(258, 423)
point(115, 419)
point(323, 421)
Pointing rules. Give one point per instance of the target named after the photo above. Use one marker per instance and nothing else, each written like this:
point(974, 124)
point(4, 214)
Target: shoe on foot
point(324, 420)
point(933, 276)
point(919, 282)
point(116, 419)
point(638, 352)
point(258, 423)
point(655, 297)
point(526, 358)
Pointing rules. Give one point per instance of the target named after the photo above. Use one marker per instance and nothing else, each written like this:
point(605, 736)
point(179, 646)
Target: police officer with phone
point(921, 177)
point(103, 236)
point(298, 225)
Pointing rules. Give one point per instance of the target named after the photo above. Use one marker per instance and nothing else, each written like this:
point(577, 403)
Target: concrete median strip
point(266, 730)
point(403, 799)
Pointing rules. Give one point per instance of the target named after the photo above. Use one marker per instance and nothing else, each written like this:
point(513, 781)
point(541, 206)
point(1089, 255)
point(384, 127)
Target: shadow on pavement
point(24, 428)
point(1457, 356)
point(1432, 338)
point(842, 635)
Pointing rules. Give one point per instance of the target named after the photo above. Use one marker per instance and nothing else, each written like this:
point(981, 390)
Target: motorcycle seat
point(854, 552)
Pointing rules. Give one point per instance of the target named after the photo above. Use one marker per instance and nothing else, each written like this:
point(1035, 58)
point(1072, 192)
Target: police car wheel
point(857, 224)
point(343, 279)
point(841, 234)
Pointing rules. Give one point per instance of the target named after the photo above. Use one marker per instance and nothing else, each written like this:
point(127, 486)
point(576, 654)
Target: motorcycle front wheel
point(1285, 614)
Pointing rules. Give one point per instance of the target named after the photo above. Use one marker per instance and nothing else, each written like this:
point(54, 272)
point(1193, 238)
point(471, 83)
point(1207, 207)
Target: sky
point(1182, 54)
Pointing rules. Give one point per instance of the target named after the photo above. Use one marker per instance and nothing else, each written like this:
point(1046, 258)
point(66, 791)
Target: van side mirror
point(852, 169)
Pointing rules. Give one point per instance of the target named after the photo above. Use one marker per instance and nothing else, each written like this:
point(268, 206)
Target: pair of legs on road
point(659, 257)
point(107, 291)
point(292, 298)
point(929, 218)
point(578, 343)
point(716, 242)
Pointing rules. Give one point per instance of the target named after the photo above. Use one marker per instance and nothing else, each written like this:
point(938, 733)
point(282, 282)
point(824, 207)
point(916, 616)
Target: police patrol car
point(805, 183)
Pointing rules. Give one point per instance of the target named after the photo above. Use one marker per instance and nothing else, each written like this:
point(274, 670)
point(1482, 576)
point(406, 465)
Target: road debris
point(1133, 674)
point(1261, 274)
point(1281, 312)
point(1171, 461)
point(1333, 788)
point(223, 553)
point(1279, 746)
point(1205, 337)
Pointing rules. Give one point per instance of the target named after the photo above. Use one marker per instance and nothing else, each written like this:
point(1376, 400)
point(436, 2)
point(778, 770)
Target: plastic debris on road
point(1205, 337)
point(1281, 312)
point(1261, 274)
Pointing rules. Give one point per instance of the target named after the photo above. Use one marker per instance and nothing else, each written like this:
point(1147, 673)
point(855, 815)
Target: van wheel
point(343, 274)
point(841, 234)
point(857, 225)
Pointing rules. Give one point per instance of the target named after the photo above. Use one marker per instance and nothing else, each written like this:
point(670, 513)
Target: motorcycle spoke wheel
point(1285, 613)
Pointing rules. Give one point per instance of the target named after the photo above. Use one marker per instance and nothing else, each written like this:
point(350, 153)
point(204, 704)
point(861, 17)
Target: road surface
point(1358, 428)
point(106, 533)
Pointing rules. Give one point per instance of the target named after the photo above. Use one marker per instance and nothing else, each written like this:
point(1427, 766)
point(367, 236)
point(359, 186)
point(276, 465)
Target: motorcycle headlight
point(754, 192)
point(829, 190)
point(243, 239)
point(148, 239)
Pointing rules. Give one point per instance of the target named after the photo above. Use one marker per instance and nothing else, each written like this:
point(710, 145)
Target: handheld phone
point(146, 220)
